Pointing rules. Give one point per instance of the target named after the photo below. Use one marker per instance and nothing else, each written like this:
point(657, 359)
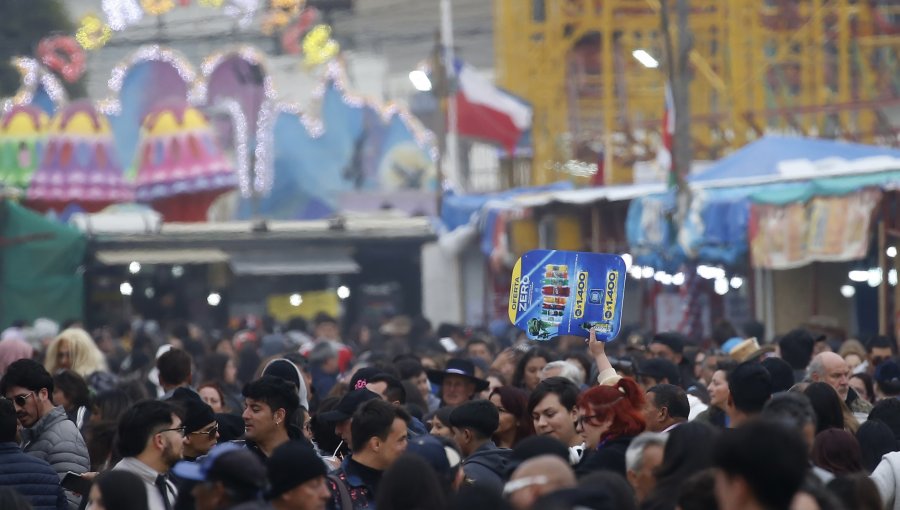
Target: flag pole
point(451, 168)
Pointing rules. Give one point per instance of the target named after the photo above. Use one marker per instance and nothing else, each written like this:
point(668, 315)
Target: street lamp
point(645, 59)
point(420, 80)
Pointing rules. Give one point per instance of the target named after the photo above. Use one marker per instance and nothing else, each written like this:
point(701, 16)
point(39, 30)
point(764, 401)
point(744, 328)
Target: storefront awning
point(162, 256)
point(293, 263)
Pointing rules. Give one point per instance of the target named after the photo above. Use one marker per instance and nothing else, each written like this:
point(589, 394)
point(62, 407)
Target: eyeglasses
point(581, 419)
point(517, 485)
point(181, 430)
point(211, 433)
point(20, 400)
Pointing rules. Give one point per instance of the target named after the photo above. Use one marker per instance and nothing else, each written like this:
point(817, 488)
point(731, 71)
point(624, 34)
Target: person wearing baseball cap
point(201, 429)
point(342, 415)
point(458, 382)
point(442, 455)
point(231, 478)
point(296, 478)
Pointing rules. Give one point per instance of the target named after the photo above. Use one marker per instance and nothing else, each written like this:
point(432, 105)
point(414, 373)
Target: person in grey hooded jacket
point(485, 464)
point(887, 478)
point(47, 433)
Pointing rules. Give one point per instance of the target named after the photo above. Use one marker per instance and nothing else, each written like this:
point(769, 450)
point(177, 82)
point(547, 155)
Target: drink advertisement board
point(556, 292)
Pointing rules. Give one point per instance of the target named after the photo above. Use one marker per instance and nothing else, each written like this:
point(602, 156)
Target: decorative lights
point(111, 105)
point(63, 55)
point(157, 7)
point(93, 33)
point(33, 75)
point(122, 13)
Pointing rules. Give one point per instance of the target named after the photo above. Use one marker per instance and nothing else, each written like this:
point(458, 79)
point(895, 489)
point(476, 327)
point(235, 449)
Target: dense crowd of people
point(297, 417)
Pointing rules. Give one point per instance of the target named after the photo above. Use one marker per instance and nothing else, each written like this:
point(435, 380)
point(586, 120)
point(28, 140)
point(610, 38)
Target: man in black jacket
point(30, 476)
point(269, 406)
point(379, 436)
point(473, 425)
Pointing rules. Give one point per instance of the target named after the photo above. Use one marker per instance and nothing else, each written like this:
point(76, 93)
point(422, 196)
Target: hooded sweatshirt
point(887, 478)
point(285, 369)
point(487, 465)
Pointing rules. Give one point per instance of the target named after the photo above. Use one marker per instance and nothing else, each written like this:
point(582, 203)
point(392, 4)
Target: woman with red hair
point(609, 416)
point(515, 420)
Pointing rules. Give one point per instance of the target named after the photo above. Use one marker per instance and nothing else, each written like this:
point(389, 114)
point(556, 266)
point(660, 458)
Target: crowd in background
point(303, 416)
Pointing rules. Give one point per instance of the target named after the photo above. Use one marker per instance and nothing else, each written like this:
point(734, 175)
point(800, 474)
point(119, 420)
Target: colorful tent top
point(79, 165)
point(22, 132)
point(178, 157)
point(774, 170)
point(340, 153)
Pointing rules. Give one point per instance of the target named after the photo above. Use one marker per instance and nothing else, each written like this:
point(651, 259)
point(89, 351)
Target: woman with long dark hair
point(718, 395)
point(837, 452)
point(515, 420)
point(827, 404)
point(528, 369)
point(118, 490)
point(72, 392)
point(221, 369)
point(688, 451)
point(609, 416)
point(410, 484)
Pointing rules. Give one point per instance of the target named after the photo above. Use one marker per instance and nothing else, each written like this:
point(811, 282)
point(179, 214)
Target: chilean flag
point(486, 112)
point(664, 155)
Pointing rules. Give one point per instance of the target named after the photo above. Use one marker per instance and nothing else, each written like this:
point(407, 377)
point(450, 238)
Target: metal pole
point(451, 170)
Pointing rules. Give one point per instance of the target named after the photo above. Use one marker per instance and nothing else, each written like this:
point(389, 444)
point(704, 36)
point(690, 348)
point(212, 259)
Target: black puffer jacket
point(31, 477)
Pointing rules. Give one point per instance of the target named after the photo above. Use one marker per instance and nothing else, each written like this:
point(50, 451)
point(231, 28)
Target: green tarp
point(40, 263)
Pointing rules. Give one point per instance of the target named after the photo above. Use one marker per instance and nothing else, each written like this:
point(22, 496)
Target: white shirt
point(148, 476)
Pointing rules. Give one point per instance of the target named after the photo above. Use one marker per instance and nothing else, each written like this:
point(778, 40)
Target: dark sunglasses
point(20, 400)
point(211, 433)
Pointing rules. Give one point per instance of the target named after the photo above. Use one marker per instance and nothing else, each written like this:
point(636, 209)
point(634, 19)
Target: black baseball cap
point(197, 413)
point(348, 405)
point(363, 376)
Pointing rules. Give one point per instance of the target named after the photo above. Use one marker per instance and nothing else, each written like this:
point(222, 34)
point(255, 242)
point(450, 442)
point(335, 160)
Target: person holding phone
point(30, 476)
point(47, 432)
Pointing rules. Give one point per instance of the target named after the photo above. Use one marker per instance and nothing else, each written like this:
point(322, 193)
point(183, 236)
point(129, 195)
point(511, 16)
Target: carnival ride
point(826, 68)
point(214, 142)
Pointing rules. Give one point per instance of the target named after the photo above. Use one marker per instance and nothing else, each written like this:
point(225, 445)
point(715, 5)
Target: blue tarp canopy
point(781, 158)
point(773, 170)
point(457, 210)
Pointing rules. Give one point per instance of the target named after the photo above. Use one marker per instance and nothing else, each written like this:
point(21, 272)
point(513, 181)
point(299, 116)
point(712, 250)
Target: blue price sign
point(557, 293)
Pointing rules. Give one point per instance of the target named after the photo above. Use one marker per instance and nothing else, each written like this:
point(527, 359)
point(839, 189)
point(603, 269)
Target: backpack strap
point(343, 492)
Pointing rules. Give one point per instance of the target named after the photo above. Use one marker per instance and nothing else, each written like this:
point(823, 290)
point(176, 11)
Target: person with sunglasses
point(47, 432)
point(151, 441)
point(201, 434)
point(201, 429)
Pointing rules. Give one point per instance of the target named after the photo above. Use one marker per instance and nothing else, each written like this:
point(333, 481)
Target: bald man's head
point(830, 368)
point(538, 476)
